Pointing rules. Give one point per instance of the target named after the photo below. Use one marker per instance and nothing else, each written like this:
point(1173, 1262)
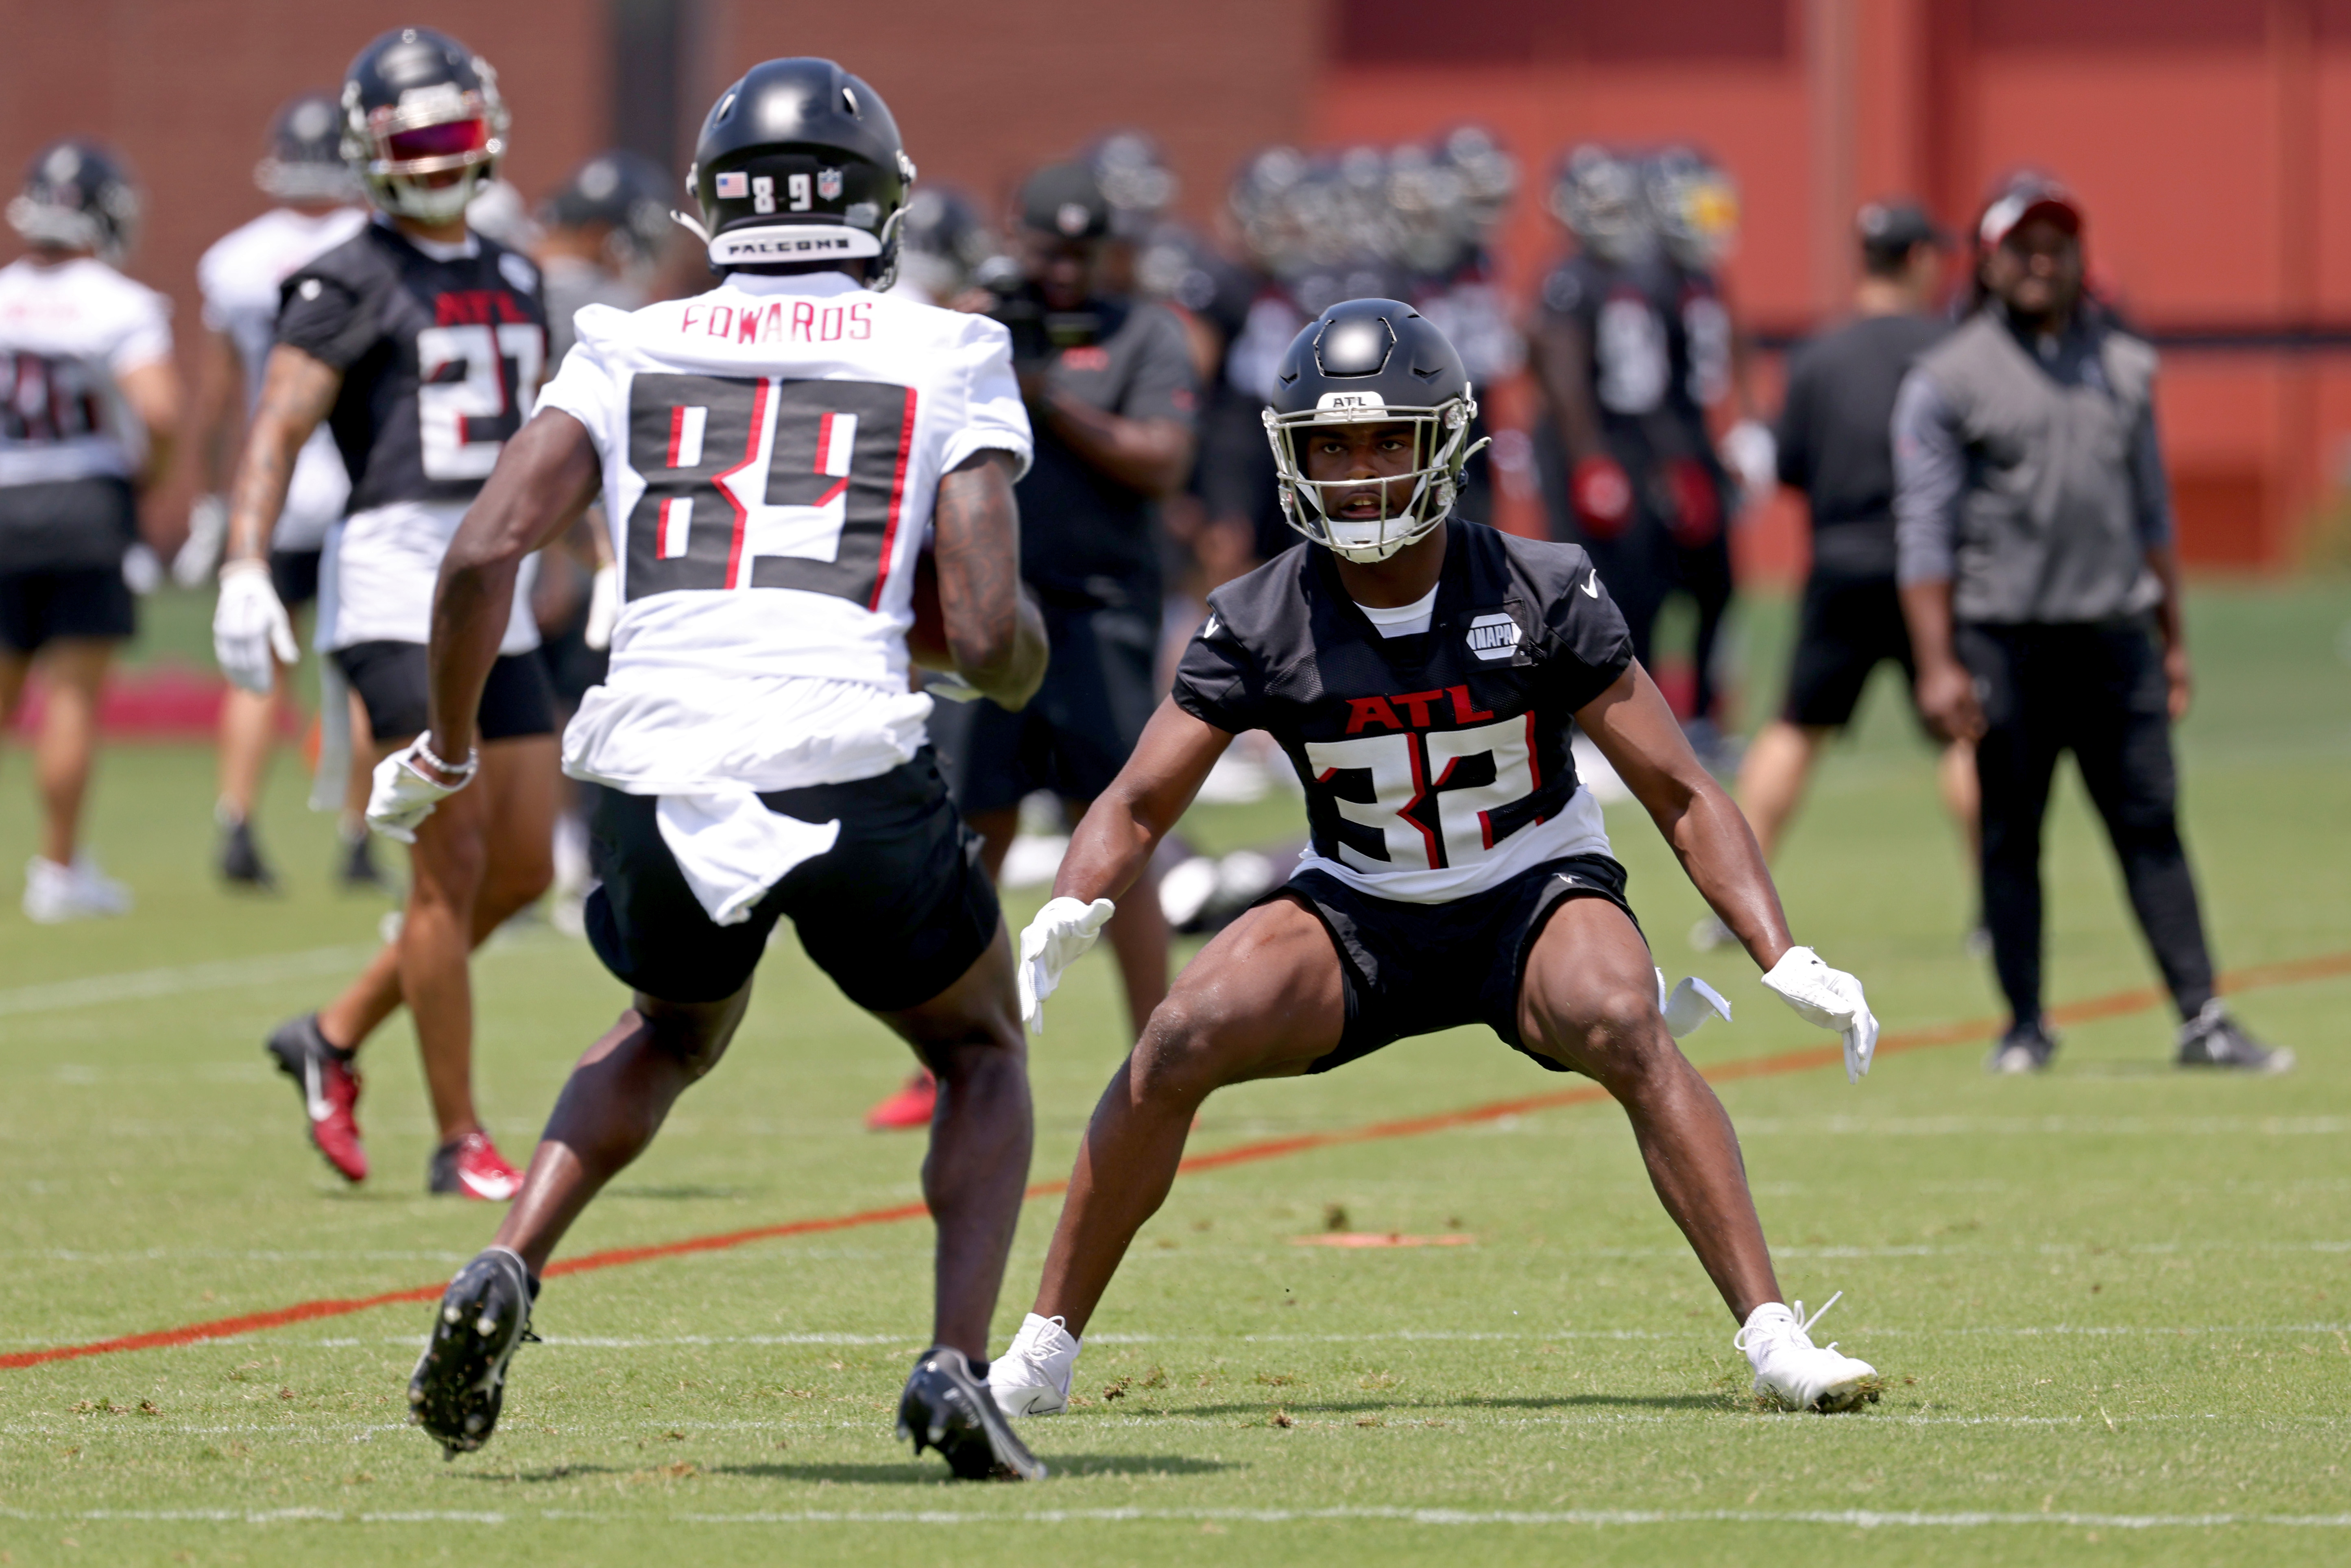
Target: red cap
point(2030, 197)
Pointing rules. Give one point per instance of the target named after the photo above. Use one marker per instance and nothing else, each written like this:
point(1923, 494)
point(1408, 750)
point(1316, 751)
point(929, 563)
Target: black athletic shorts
point(1078, 729)
point(294, 573)
point(894, 912)
point(38, 607)
point(1848, 625)
point(1416, 968)
point(392, 679)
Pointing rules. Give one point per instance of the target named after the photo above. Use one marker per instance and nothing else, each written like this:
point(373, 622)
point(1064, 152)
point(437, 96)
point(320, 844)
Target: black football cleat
point(2213, 1039)
point(460, 1383)
point(241, 865)
point(356, 870)
point(2025, 1047)
point(947, 1408)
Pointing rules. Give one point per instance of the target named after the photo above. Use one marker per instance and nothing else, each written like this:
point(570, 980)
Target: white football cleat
point(1793, 1371)
point(55, 893)
point(1032, 1377)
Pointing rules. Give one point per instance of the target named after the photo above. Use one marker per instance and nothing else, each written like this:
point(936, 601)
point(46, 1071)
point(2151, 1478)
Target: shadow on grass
point(920, 1472)
point(1697, 1402)
point(930, 1472)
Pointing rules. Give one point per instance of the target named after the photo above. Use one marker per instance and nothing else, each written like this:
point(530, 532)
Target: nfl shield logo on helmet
point(828, 185)
point(734, 186)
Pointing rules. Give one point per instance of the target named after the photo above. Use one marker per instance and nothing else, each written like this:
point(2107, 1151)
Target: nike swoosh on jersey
point(1591, 585)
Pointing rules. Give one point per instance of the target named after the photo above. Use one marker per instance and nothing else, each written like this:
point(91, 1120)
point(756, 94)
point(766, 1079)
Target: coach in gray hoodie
point(2038, 575)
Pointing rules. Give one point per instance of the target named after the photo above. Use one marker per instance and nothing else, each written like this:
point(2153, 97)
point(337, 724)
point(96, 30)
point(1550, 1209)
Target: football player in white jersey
point(88, 404)
point(239, 276)
point(1424, 674)
point(772, 455)
point(420, 344)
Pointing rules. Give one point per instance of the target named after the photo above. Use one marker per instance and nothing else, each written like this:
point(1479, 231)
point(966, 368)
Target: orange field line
point(2115, 1004)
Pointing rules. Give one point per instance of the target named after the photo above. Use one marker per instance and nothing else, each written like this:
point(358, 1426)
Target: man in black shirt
point(1423, 674)
point(1835, 446)
point(1110, 388)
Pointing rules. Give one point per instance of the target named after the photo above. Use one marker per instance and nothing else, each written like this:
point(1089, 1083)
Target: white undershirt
point(1404, 620)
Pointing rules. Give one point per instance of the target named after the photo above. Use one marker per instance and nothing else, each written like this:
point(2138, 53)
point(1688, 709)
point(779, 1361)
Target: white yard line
point(183, 979)
point(1861, 1519)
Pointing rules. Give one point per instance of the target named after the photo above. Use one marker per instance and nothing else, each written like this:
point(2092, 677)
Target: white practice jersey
point(771, 452)
point(66, 332)
point(239, 277)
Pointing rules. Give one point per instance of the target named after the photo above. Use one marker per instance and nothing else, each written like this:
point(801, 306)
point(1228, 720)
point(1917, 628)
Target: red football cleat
point(330, 1092)
point(470, 1166)
point(910, 1107)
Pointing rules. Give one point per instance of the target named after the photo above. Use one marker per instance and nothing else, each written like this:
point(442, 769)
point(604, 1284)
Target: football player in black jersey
point(1423, 674)
point(420, 344)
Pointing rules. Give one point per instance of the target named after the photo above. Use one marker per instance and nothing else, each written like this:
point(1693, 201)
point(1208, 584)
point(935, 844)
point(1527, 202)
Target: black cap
point(1891, 227)
point(1065, 199)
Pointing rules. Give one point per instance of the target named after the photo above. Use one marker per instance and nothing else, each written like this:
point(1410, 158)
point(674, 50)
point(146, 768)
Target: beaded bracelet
point(452, 777)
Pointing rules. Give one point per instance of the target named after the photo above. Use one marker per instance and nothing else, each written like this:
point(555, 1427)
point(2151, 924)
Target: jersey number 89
point(765, 482)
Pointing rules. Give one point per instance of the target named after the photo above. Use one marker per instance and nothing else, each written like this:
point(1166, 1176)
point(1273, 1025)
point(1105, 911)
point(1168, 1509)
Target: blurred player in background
point(239, 276)
point(421, 345)
point(1603, 356)
point(1694, 207)
point(762, 752)
point(1108, 383)
point(943, 243)
point(1835, 443)
point(89, 403)
point(1423, 674)
point(2041, 584)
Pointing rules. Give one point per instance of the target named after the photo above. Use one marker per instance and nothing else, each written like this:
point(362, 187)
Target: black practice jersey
point(1434, 765)
point(440, 360)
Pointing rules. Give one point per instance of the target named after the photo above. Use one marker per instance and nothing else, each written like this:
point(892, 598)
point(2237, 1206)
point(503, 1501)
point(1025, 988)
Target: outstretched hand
point(1827, 999)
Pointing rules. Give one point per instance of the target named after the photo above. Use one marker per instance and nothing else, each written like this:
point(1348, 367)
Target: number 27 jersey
point(771, 452)
point(1436, 765)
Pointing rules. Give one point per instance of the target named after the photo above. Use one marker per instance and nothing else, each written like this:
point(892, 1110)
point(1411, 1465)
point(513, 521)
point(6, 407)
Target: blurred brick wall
point(184, 89)
point(983, 93)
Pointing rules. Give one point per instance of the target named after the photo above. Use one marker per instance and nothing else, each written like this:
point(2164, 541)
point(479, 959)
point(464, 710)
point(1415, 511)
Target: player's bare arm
point(995, 632)
point(1947, 693)
point(1115, 840)
point(545, 478)
point(1561, 352)
point(296, 392)
point(1636, 731)
point(153, 391)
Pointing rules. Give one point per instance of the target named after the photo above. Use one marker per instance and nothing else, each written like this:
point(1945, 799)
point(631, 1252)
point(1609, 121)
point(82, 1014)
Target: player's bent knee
point(1612, 1034)
point(1184, 1053)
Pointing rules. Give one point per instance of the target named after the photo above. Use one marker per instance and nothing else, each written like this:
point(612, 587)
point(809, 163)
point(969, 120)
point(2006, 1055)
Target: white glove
point(251, 632)
point(1752, 454)
point(207, 531)
point(1828, 999)
point(141, 572)
point(603, 608)
point(1691, 1004)
point(404, 795)
point(1061, 931)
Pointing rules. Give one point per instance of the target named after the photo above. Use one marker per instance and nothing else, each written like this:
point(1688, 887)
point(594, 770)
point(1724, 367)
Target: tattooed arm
point(994, 631)
point(296, 390)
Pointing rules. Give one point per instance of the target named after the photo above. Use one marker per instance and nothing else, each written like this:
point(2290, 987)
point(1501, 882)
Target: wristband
point(452, 777)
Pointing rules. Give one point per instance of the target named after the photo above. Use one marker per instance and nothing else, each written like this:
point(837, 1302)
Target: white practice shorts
point(376, 582)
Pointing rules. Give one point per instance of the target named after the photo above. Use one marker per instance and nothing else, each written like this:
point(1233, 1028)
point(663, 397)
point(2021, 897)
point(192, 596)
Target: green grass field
point(2110, 1304)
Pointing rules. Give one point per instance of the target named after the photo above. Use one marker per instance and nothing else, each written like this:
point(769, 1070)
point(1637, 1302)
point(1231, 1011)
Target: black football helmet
point(305, 162)
point(1371, 361)
point(628, 194)
point(1694, 204)
point(801, 162)
point(1597, 195)
point(78, 196)
point(418, 102)
point(944, 241)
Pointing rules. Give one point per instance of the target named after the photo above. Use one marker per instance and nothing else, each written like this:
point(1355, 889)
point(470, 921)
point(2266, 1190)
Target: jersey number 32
point(765, 482)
